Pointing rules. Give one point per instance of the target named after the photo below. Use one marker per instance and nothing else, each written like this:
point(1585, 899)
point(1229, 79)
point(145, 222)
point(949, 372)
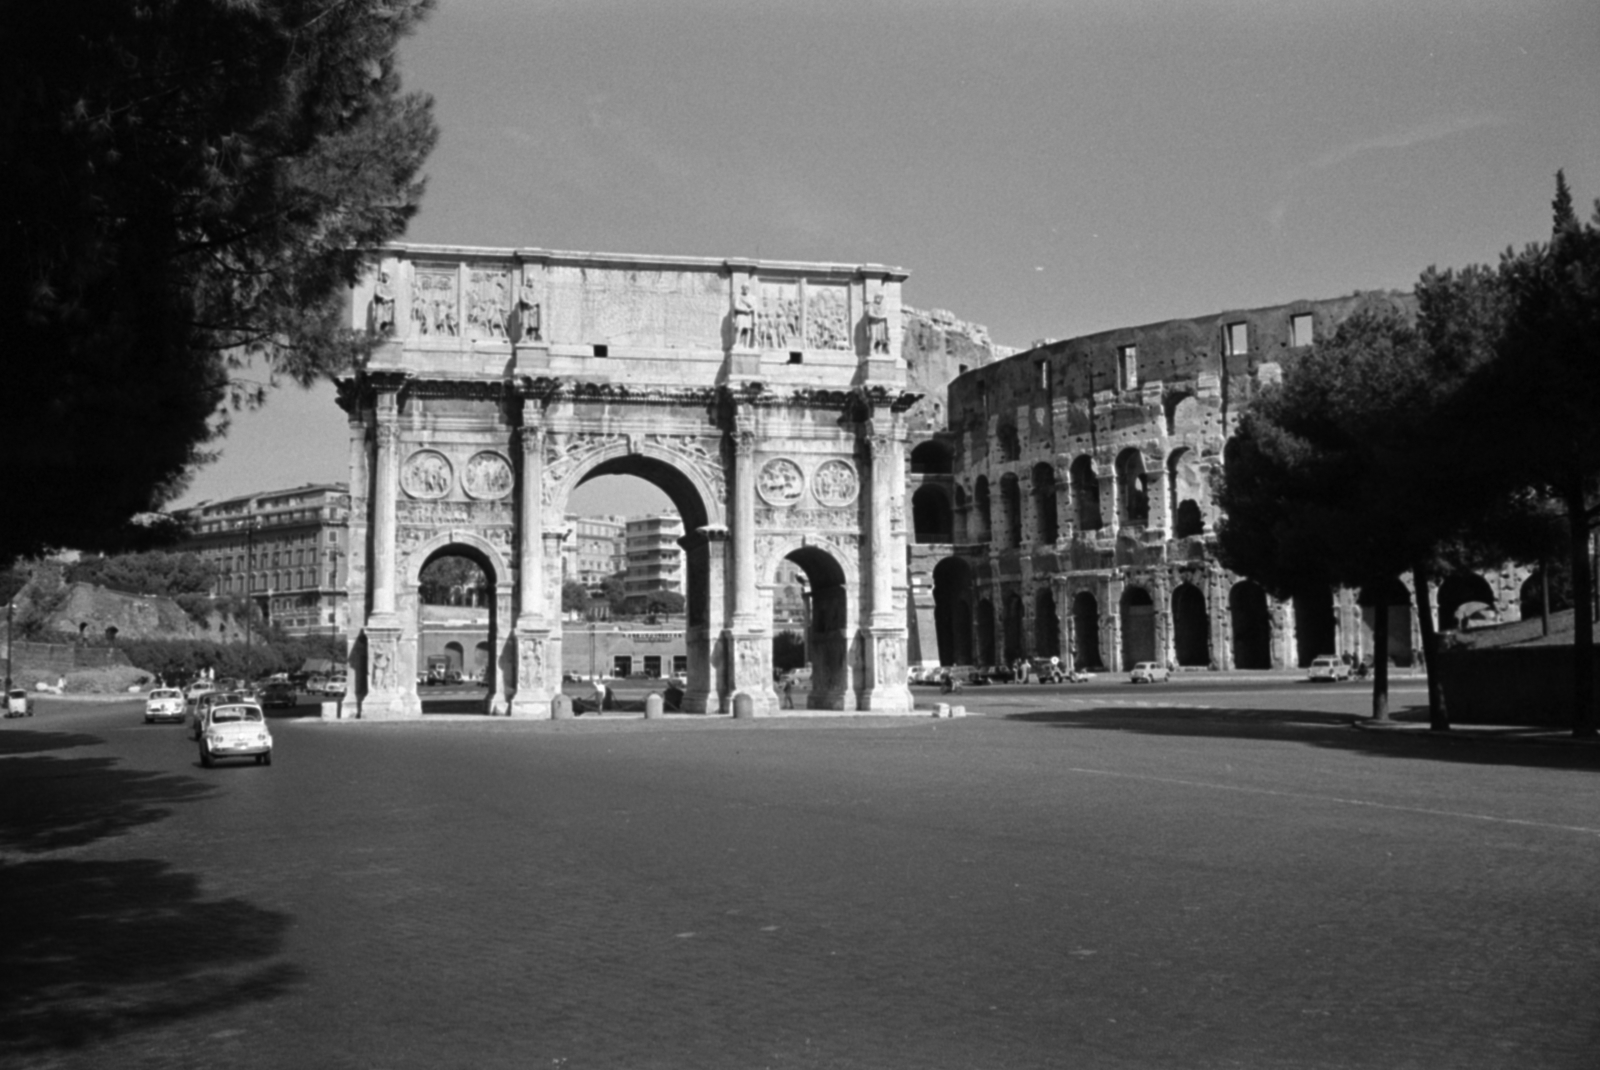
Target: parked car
point(315, 683)
point(1148, 672)
point(236, 730)
point(1328, 667)
point(18, 703)
point(335, 685)
point(164, 704)
point(196, 689)
point(279, 695)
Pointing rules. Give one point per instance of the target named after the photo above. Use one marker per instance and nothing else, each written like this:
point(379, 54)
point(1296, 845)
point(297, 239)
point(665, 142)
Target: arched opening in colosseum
point(1011, 502)
point(980, 502)
point(1461, 589)
point(931, 459)
point(1085, 652)
point(1046, 526)
point(1316, 629)
point(1013, 627)
point(1185, 488)
point(930, 514)
point(1183, 413)
point(1086, 494)
point(1133, 498)
point(1396, 600)
point(1046, 629)
point(1138, 627)
point(1531, 597)
point(986, 633)
point(952, 610)
point(1191, 626)
point(1010, 444)
point(1252, 626)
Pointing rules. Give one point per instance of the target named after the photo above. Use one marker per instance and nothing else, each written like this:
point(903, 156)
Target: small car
point(164, 704)
point(1076, 676)
point(1148, 672)
point(18, 703)
point(204, 705)
point(278, 695)
point(1328, 667)
point(335, 685)
point(235, 730)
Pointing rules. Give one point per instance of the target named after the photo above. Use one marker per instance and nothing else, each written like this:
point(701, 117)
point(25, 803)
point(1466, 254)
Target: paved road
point(1227, 877)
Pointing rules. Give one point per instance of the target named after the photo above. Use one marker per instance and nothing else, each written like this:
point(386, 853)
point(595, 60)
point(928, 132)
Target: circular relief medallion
point(487, 476)
point(426, 474)
point(835, 483)
point(781, 482)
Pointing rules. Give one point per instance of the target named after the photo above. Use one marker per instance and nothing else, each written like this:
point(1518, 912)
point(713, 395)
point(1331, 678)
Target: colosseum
point(1066, 508)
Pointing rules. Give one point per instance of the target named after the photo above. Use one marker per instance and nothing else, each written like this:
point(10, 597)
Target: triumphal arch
point(766, 398)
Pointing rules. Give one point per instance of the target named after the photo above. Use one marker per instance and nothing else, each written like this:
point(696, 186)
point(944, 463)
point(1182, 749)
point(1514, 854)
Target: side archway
point(1138, 627)
point(1191, 626)
point(1252, 626)
point(1085, 650)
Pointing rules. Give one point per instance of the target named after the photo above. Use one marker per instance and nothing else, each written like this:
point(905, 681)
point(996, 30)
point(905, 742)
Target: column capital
point(531, 439)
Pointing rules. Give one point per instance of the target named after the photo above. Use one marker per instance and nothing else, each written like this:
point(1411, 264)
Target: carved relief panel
point(780, 482)
point(778, 319)
point(827, 317)
point(835, 483)
point(487, 476)
point(435, 310)
point(427, 475)
point(489, 304)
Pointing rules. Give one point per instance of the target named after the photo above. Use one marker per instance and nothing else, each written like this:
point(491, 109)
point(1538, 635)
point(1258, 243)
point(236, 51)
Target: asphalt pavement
point(1199, 875)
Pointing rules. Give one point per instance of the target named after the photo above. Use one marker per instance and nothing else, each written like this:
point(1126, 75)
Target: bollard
point(744, 707)
point(941, 709)
point(958, 711)
point(330, 711)
point(652, 707)
point(561, 708)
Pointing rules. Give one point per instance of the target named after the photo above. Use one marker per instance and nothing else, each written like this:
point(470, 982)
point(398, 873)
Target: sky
point(1048, 169)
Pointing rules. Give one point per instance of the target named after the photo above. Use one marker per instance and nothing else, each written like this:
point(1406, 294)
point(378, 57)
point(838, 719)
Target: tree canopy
point(190, 185)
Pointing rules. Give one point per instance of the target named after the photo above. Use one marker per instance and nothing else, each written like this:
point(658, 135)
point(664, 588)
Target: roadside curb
point(1552, 737)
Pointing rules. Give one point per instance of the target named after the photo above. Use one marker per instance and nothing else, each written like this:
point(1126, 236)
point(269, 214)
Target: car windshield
point(18, 693)
point(224, 714)
point(166, 693)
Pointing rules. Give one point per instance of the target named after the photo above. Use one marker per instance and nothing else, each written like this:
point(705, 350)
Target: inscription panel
point(654, 309)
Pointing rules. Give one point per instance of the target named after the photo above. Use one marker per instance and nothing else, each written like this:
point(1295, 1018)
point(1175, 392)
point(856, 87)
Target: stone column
point(356, 567)
point(386, 693)
point(884, 685)
point(707, 563)
point(533, 646)
point(744, 529)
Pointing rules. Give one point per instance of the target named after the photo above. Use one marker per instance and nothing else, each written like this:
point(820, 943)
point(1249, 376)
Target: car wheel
point(266, 759)
point(205, 758)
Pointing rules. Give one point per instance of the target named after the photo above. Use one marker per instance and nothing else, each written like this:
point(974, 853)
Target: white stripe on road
point(1338, 799)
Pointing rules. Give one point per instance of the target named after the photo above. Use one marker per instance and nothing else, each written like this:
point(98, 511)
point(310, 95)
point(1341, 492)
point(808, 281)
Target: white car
point(1327, 667)
point(18, 703)
point(1148, 672)
point(235, 731)
point(163, 704)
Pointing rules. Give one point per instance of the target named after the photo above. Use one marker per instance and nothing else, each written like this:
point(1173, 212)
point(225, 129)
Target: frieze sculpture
point(889, 670)
point(744, 320)
point(487, 476)
point(487, 303)
point(878, 326)
point(747, 654)
point(433, 304)
point(693, 452)
point(528, 325)
point(563, 454)
point(779, 323)
point(835, 483)
point(530, 661)
point(781, 482)
point(426, 474)
point(382, 664)
point(783, 518)
point(827, 321)
point(380, 313)
point(436, 513)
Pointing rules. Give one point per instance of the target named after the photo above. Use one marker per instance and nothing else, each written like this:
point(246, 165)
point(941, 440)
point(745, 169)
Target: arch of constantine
point(766, 399)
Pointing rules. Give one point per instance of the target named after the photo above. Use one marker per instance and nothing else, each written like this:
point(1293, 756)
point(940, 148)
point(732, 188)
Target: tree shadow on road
point(1336, 731)
point(95, 949)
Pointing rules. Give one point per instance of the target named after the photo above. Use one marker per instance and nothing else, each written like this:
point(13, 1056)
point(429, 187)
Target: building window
point(1128, 367)
point(1236, 338)
point(1300, 329)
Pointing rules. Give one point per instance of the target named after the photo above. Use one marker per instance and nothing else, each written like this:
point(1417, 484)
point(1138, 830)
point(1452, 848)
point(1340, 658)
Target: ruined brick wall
point(1083, 506)
point(937, 347)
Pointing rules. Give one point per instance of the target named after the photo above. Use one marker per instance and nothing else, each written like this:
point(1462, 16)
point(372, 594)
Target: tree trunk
point(1583, 714)
point(1438, 716)
point(1380, 661)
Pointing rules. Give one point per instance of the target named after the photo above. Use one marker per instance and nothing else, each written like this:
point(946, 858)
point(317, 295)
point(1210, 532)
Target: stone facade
point(766, 399)
point(1067, 510)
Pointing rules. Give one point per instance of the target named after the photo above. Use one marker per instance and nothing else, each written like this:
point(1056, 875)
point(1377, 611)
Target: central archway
point(830, 626)
point(477, 621)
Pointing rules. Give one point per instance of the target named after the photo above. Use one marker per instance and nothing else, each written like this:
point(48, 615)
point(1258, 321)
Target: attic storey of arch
point(188, 184)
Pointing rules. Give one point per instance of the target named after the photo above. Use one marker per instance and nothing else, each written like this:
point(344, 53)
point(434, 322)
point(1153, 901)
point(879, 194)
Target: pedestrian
point(788, 693)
